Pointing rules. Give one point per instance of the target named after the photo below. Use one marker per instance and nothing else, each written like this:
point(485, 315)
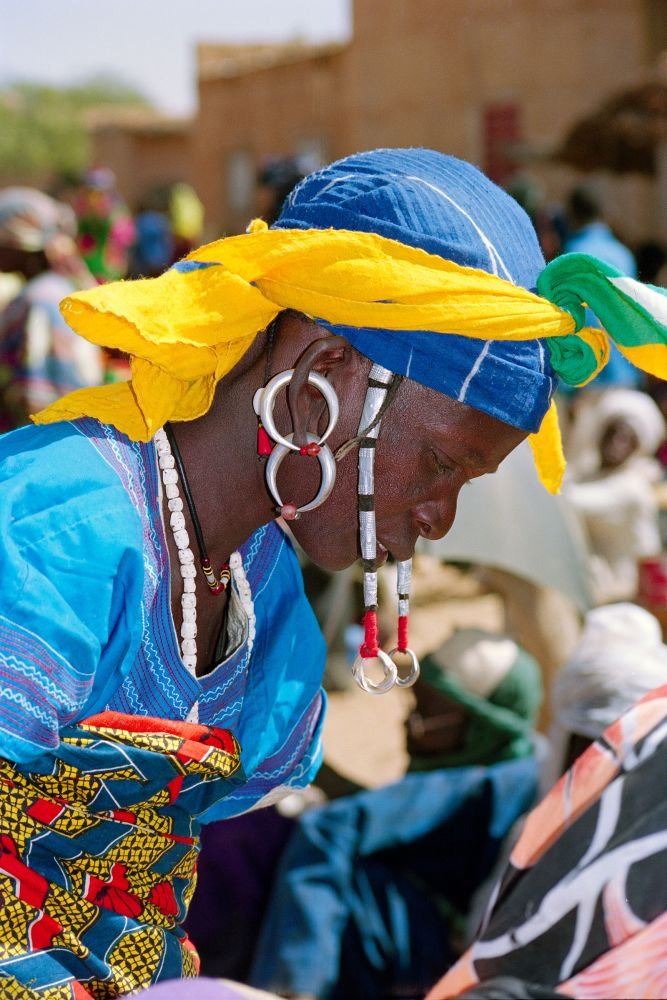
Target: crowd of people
point(52, 246)
point(161, 665)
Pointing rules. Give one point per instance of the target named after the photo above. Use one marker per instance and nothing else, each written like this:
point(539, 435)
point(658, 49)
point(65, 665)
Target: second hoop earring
point(324, 456)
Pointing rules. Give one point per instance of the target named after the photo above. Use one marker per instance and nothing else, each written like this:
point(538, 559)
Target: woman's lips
point(381, 554)
point(384, 551)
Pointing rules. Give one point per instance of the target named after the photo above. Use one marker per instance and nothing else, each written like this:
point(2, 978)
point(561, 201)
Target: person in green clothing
point(476, 703)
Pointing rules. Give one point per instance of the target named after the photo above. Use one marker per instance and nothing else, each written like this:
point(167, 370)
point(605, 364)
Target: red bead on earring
point(264, 442)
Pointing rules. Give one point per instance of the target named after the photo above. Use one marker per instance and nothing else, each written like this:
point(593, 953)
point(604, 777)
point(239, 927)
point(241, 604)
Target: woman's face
point(428, 448)
point(437, 725)
point(618, 442)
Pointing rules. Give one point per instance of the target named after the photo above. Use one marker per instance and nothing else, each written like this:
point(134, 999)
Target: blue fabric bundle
point(443, 205)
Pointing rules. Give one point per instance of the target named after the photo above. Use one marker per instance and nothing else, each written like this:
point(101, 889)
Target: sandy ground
point(363, 734)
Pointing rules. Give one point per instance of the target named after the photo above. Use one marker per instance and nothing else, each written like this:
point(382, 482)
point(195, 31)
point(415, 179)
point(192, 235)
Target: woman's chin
point(333, 563)
point(323, 547)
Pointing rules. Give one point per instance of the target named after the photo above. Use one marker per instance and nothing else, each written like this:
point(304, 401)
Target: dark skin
point(29, 263)
point(437, 725)
point(617, 443)
point(429, 447)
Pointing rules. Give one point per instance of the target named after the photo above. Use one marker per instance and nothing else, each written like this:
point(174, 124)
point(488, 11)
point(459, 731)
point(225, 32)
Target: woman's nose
point(433, 519)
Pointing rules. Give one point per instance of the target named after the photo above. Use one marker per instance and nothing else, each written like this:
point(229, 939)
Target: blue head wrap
point(445, 206)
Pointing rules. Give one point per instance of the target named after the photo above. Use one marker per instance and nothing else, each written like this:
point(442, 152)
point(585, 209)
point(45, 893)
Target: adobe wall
point(142, 160)
point(425, 72)
point(466, 78)
point(420, 72)
point(278, 111)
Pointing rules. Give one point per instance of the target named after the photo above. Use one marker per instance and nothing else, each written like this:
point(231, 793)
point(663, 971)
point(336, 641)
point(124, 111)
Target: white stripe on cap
point(494, 256)
point(473, 371)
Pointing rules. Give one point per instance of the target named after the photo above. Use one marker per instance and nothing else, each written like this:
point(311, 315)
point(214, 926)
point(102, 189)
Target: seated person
point(580, 909)
point(372, 891)
point(619, 658)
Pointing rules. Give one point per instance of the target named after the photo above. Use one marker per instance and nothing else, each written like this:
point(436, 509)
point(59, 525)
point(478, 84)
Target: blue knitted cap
point(445, 206)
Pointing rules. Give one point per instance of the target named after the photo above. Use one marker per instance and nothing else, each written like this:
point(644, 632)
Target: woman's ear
point(305, 401)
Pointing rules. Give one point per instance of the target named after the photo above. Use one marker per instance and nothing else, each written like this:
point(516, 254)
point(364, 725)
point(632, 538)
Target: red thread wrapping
point(369, 647)
point(403, 633)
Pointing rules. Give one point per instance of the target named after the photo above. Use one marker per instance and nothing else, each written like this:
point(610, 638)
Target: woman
point(141, 695)
point(105, 230)
point(619, 658)
point(616, 499)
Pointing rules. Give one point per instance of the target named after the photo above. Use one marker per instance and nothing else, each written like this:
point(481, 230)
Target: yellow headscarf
point(186, 329)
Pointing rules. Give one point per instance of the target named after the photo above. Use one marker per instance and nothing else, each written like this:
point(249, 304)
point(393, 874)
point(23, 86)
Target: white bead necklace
point(185, 555)
point(188, 569)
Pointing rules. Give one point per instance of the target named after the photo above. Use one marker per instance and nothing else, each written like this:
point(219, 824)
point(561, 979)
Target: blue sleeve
point(71, 580)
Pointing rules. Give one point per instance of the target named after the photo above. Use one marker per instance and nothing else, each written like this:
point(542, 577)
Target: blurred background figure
point(40, 357)
point(186, 215)
point(589, 232)
point(169, 223)
point(105, 226)
point(548, 219)
point(477, 700)
point(590, 859)
point(235, 874)
point(373, 889)
point(276, 178)
point(619, 658)
point(531, 552)
point(613, 489)
point(153, 247)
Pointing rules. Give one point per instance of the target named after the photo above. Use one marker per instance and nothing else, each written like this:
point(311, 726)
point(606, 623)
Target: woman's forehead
point(474, 439)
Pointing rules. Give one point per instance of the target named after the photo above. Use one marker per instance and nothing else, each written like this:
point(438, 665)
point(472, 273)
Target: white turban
point(638, 410)
point(619, 658)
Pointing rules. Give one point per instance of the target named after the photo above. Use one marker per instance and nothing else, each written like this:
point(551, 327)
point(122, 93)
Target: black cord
point(271, 331)
point(169, 431)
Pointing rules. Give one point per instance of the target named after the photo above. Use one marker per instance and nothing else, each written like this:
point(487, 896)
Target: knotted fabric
point(186, 329)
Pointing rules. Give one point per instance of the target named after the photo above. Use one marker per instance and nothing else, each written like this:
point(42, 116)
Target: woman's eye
point(442, 468)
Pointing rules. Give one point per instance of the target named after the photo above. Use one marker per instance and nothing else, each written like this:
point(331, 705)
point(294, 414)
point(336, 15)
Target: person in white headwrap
point(618, 659)
point(616, 498)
